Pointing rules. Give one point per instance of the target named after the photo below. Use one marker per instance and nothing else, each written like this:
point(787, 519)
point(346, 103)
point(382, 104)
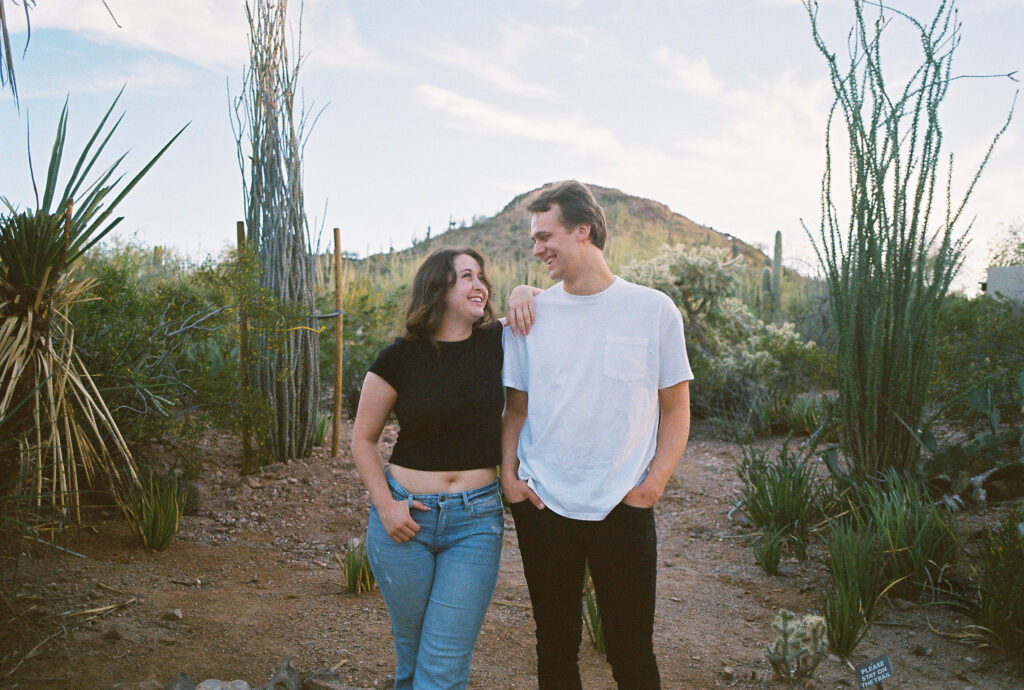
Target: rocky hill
point(637, 228)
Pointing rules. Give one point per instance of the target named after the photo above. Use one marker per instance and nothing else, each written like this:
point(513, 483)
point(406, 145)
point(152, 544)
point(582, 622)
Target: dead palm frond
point(58, 435)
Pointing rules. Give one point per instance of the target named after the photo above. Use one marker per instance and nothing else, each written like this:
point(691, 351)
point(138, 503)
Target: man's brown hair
point(577, 205)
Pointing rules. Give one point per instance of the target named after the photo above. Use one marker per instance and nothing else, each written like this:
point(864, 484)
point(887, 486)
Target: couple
point(593, 420)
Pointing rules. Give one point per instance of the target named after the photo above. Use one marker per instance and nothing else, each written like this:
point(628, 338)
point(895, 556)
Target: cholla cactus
point(800, 646)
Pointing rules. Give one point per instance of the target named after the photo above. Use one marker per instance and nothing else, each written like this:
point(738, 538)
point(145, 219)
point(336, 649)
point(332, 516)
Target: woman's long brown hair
point(434, 278)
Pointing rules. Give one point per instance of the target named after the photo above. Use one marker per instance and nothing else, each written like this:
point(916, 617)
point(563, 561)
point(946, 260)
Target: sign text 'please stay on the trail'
point(874, 671)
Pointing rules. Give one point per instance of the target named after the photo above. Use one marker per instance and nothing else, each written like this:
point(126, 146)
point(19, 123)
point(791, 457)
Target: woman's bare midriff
point(454, 481)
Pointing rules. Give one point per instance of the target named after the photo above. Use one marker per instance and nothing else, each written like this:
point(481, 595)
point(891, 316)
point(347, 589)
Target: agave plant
point(59, 436)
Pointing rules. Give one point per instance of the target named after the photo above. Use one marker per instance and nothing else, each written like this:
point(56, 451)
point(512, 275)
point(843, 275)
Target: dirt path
point(254, 578)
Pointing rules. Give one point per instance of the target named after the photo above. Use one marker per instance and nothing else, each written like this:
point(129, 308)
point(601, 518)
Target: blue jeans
point(437, 585)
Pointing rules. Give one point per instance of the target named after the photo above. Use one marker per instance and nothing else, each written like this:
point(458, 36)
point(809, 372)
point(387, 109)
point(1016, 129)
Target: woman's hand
point(521, 314)
point(397, 520)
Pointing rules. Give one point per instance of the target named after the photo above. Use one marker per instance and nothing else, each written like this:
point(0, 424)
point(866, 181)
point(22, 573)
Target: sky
point(433, 111)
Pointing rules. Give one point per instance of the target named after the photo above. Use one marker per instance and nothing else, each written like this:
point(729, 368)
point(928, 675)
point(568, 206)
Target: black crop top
point(449, 401)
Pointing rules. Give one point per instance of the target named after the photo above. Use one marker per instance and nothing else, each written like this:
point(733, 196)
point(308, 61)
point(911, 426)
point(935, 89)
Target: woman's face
point(467, 297)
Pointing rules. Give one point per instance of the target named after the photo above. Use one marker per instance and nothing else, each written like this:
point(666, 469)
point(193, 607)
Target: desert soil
point(254, 579)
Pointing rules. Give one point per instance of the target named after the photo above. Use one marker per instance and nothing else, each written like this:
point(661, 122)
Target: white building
point(1007, 281)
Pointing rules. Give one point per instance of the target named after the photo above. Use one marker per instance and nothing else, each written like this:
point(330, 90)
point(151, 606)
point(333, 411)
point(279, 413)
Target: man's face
point(554, 244)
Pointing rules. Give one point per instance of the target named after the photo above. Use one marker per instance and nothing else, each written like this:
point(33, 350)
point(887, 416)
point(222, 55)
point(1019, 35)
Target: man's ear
point(582, 231)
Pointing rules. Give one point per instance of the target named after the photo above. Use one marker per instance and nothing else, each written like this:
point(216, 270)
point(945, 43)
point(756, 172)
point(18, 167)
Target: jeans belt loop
point(410, 501)
point(465, 500)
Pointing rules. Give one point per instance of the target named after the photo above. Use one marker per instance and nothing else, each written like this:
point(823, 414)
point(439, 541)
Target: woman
point(435, 529)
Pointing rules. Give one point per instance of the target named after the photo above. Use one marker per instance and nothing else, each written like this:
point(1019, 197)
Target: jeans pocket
point(489, 504)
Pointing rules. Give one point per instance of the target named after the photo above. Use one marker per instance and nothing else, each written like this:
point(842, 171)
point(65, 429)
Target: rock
point(172, 614)
point(901, 604)
point(325, 679)
point(921, 650)
point(1005, 483)
point(182, 681)
point(113, 633)
point(195, 495)
point(251, 482)
point(213, 684)
point(728, 673)
point(286, 677)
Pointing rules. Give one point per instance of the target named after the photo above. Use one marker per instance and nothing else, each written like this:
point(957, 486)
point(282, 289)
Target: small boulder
point(182, 681)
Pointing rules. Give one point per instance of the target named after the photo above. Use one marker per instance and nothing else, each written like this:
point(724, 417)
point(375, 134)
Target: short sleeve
point(674, 363)
point(514, 370)
point(388, 364)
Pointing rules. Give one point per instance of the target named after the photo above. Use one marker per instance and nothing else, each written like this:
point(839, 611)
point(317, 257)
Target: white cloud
point(690, 74)
point(209, 33)
point(486, 67)
point(567, 4)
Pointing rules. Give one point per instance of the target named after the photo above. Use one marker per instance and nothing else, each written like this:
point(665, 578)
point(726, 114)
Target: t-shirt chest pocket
point(625, 359)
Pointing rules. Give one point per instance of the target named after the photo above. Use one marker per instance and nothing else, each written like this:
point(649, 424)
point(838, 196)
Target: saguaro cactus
point(771, 280)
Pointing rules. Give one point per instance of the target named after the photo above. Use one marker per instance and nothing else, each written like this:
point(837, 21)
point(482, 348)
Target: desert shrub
point(999, 609)
point(813, 413)
point(855, 564)
point(800, 646)
point(919, 538)
point(162, 340)
point(780, 495)
point(155, 513)
point(372, 321)
point(980, 345)
point(753, 371)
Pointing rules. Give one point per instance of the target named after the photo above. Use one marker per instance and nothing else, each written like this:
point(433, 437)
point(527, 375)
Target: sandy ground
point(254, 578)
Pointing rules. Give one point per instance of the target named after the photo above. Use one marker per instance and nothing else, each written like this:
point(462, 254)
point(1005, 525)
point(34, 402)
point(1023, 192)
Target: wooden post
point(243, 356)
point(339, 345)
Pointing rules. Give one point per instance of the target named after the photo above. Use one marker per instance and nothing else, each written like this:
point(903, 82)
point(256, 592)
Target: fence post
point(339, 345)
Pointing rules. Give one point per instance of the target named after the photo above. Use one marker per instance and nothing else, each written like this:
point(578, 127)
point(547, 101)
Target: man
point(597, 415)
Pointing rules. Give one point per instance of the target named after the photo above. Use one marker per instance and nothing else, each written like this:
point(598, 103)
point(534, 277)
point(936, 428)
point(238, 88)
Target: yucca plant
point(919, 538)
point(356, 573)
point(855, 563)
point(156, 512)
point(780, 496)
point(768, 548)
point(63, 438)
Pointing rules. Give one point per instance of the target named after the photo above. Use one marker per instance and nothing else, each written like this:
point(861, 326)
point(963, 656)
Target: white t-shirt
point(592, 367)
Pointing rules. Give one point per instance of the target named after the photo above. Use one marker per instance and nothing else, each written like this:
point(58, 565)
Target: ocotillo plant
point(285, 347)
point(889, 266)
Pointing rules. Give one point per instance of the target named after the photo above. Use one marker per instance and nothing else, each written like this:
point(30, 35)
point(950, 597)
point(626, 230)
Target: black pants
point(622, 553)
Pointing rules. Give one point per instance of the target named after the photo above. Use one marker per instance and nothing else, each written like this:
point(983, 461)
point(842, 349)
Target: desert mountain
point(637, 228)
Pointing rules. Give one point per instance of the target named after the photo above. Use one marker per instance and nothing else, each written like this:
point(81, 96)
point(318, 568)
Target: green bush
point(980, 346)
point(855, 564)
point(780, 496)
point(156, 512)
point(160, 340)
point(999, 610)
